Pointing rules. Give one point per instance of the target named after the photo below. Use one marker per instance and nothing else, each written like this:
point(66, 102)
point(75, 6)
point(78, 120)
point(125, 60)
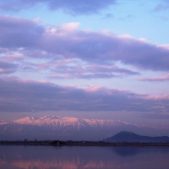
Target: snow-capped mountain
point(66, 128)
point(65, 121)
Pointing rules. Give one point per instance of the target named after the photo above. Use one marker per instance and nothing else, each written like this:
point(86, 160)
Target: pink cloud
point(25, 96)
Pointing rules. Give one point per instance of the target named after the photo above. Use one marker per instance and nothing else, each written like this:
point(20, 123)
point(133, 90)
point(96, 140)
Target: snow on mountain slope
point(65, 121)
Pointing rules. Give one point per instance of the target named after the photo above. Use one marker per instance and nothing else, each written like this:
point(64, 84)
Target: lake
point(48, 157)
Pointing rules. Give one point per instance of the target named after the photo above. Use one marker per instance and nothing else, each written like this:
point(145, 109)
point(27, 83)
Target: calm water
point(20, 157)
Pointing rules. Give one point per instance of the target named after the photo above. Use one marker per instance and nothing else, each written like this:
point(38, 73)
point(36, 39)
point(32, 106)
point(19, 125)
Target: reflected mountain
point(127, 151)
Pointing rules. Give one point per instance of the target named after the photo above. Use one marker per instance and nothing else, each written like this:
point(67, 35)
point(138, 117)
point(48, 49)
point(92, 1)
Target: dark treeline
point(82, 143)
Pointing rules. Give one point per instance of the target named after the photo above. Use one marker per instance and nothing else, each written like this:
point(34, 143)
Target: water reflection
point(13, 157)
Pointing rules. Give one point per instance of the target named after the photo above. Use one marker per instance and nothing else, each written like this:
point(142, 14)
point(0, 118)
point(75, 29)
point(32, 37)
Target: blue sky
point(111, 58)
point(141, 19)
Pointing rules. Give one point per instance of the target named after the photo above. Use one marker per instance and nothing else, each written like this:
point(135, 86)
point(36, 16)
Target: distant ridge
point(126, 136)
point(62, 128)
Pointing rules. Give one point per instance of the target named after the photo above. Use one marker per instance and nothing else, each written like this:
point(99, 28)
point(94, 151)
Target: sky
point(87, 59)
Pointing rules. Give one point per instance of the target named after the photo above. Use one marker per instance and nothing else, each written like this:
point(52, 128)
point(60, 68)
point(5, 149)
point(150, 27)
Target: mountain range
point(64, 128)
point(68, 128)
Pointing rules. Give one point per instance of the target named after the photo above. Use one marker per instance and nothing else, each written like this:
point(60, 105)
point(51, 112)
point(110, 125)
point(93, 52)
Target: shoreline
point(59, 143)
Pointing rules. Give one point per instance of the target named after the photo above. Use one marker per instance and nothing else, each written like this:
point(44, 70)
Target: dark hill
point(125, 136)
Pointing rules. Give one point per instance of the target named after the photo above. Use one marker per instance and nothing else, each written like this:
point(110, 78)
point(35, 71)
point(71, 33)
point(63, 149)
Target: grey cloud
point(73, 69)
point(162, 78)
point(7, 68)
point(19, 33)
point(102, 48)
point(19, 96)
point(73, 6)
point(92, 47)
point(162, 5)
